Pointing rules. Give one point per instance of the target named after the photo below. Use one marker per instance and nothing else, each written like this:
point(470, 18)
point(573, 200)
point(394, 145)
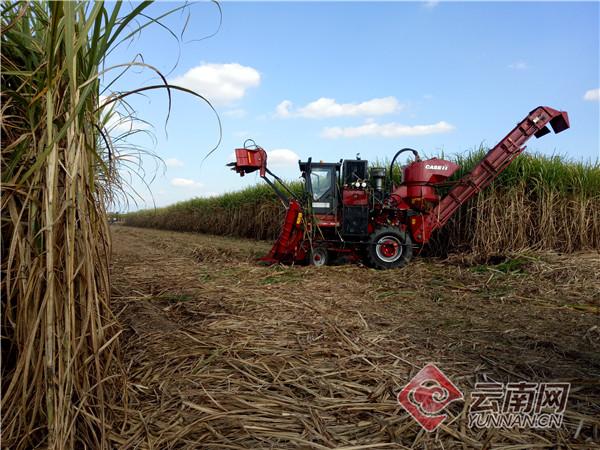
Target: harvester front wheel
point(319, 256)
point(389, 248)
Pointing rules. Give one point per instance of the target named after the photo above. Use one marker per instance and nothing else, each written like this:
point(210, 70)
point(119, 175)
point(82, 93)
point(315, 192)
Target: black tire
point(319, 256)
point(389, 248)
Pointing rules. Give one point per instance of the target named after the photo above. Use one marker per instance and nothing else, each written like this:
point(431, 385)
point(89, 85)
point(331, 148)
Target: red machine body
point(355, 197)
point(348, 212)
point(428, 172)
point(420, 177)
point(287, 247)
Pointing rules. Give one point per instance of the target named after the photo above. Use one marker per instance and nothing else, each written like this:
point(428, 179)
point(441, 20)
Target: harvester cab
point(357, 213)
point(321, 186)
point(338, 197)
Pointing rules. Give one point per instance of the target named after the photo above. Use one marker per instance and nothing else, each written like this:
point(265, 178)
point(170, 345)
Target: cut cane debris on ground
point(224, 353)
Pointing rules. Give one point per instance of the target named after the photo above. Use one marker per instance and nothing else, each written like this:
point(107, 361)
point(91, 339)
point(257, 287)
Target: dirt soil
point(223, 353)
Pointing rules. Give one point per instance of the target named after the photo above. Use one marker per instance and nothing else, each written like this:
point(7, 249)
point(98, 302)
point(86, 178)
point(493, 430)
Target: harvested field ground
point(223, 353)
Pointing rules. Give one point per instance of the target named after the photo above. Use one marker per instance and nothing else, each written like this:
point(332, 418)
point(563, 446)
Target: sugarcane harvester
point(349, 210)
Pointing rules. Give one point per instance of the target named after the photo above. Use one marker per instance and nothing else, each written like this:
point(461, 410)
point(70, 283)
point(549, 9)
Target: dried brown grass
point(512, 220)
point(224, 354)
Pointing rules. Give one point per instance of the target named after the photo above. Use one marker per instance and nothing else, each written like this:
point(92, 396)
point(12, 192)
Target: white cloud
point(173, 162)
point(283, 109)
point(220, 83)
point(102, 99)
point(237, 113)
point(282, 157)
point(386, 130)
point(328, 107)
point(119, 123)
point(430, 4)
point(593, 95)
point(185, 183)
point(519, 65)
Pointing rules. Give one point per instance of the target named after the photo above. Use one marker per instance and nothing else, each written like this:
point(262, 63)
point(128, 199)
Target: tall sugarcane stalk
point(61, 373)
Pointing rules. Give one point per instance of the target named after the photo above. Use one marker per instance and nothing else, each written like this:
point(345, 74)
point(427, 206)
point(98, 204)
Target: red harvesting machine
point(349, 211)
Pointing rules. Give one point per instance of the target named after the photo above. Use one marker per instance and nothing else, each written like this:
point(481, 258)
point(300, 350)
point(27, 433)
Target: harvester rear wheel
point(389, 248)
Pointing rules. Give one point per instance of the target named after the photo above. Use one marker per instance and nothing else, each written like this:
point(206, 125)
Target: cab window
point(320, 180)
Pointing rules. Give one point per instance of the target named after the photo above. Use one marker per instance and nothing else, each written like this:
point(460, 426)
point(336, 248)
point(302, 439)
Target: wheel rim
point(319, 258)
point(389, 249)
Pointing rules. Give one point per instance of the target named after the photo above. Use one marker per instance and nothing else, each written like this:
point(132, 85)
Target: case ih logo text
point(427, 395)
point(435, 167)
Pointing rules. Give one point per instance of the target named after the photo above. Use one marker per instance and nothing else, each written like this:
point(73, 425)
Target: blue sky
point(332, 79)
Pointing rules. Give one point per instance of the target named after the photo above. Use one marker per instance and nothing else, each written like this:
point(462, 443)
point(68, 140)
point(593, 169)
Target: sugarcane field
point(300, 225)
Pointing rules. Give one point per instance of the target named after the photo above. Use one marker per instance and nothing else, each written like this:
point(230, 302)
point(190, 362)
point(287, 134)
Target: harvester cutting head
point(249, 160)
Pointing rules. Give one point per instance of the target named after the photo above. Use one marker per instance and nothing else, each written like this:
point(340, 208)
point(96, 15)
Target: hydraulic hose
point(398, 153)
